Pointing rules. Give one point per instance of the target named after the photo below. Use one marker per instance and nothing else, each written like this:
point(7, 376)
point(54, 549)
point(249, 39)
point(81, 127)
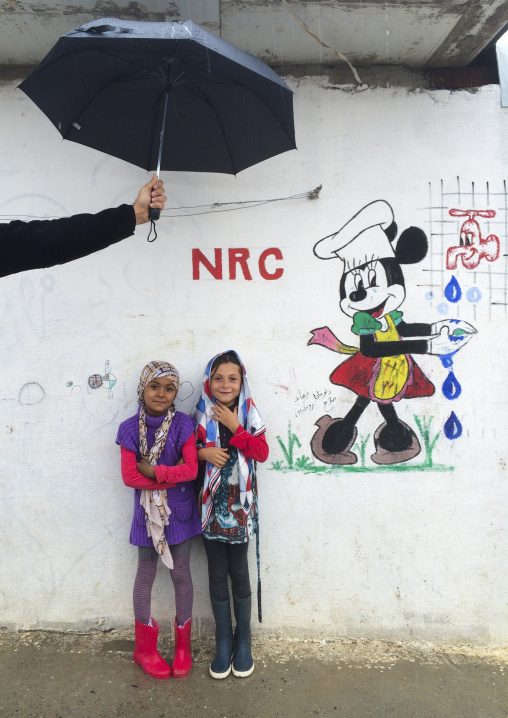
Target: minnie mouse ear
point(391, 231)
point(412, 246)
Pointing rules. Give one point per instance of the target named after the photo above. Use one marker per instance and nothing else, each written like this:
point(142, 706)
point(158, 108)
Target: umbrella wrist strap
point(152, 229)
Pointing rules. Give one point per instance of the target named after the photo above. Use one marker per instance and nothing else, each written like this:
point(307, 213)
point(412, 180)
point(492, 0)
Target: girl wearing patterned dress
point(158, 461)
point(230, 439)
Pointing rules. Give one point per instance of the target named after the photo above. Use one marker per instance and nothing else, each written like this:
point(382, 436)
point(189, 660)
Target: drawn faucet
point(473, 247)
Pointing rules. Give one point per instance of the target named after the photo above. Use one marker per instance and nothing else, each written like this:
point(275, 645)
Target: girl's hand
point(145, 468)
point(227, 418)
point(214, 455)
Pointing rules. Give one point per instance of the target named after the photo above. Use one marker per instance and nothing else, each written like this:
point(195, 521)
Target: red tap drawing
point(473, 247)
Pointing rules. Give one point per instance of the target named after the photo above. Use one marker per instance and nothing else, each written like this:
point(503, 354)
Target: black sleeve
point(414, 330)
point(370, 348)
point(40, 244)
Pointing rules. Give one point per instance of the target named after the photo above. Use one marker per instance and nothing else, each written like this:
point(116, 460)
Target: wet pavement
point(51, 675)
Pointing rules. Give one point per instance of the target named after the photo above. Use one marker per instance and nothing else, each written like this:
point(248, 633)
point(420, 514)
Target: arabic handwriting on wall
point(307, 401)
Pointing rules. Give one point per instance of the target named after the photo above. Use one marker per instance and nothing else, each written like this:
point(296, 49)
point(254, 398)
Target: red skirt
point(357, 371)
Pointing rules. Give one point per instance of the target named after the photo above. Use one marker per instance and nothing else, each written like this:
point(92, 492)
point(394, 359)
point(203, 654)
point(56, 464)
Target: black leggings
point(227, 558)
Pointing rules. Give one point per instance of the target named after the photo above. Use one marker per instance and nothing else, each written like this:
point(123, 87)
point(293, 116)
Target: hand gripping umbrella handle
point(153, 214)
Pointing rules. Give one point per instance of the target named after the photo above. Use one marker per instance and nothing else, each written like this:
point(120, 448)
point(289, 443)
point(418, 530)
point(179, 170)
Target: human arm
point(214, 455)
point(44, 243)
point(151, 195)
point(253, 447)
point(228, 417)
point(134, 479)
point(186, 470)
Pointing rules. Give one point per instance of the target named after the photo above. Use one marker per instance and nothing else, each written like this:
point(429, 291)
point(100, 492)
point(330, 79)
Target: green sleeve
point(396, 316)
point(364, 323)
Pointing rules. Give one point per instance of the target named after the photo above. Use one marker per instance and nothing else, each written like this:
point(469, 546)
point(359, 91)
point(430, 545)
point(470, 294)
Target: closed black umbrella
point(165, 95)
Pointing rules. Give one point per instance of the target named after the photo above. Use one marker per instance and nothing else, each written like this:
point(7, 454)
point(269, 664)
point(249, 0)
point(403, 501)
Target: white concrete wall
point(414, 554)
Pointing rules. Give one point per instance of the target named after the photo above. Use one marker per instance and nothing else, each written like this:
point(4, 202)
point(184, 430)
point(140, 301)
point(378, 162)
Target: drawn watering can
point(107, 380)
point(473, 247)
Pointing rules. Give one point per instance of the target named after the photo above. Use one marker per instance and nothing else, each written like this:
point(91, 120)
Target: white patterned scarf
point(154, 501)
point(207, 434)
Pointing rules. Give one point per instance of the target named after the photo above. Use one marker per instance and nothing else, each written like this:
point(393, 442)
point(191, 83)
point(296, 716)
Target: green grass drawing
point(307, 464)
point(288, 451)
point(360, 446)
point(424, 424)
point(304, 462)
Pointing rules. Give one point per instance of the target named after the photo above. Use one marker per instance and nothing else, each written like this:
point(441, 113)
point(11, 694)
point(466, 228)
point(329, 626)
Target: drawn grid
point(444, 231)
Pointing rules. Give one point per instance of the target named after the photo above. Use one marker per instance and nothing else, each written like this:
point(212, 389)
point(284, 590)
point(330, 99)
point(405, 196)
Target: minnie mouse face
point(376, 288)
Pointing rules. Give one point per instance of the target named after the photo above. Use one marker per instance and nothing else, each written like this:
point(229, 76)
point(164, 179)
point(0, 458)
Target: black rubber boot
point(243, 665)
point(220, 667)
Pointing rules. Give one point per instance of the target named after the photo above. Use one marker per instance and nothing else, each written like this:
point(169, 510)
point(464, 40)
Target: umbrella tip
point(102, 29)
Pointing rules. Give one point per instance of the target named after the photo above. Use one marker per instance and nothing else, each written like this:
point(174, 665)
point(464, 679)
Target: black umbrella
point(165, 95)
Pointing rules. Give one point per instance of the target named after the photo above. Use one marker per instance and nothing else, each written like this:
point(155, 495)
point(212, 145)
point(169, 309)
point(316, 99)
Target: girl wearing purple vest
point(158, 457)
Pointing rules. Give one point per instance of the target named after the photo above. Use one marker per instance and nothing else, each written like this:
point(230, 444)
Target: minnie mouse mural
point(382, 370)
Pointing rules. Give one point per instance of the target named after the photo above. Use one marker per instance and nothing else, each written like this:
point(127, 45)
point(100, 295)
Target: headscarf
point(154, 501)
point(207, 433)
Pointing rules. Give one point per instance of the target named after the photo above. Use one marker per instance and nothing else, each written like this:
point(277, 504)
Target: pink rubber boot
point(145, 651)
point(182, 662)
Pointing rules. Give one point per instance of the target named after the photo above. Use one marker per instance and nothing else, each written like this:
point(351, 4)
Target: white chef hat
point(362, 239)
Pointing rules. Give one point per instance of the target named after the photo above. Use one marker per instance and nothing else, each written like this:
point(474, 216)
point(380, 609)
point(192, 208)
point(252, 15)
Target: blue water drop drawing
point(442, 308)
point(429, 296)
point(447, 359)
point(452, 427)
point(452, 291)
point(473, 295)
point(451, 387)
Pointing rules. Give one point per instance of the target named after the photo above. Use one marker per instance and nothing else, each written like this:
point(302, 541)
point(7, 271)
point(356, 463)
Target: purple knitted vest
point(184, 520)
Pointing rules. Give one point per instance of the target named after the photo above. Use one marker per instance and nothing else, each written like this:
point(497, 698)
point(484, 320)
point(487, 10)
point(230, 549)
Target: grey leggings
point(180, 575)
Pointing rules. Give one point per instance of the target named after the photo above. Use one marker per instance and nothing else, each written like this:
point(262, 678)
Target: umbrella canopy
point(121, 87)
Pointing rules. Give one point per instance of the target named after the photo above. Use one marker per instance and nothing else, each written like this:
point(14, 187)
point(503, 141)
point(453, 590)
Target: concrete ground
point(51, 675)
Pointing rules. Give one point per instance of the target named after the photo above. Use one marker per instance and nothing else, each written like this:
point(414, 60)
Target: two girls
point(158, 453)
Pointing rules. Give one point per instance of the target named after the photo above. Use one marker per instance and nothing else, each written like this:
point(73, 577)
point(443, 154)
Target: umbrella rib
point(221, 81)
point(167, 84)
point(201, 69)
point(124, 78)
point(204, 98)
point(101, 51)
point(197, 75)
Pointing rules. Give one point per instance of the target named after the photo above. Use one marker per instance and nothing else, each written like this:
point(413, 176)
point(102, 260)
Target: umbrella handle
point(154, 214)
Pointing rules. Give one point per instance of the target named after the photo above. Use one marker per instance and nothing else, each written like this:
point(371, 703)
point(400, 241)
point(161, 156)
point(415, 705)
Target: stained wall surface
point(412, 549)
